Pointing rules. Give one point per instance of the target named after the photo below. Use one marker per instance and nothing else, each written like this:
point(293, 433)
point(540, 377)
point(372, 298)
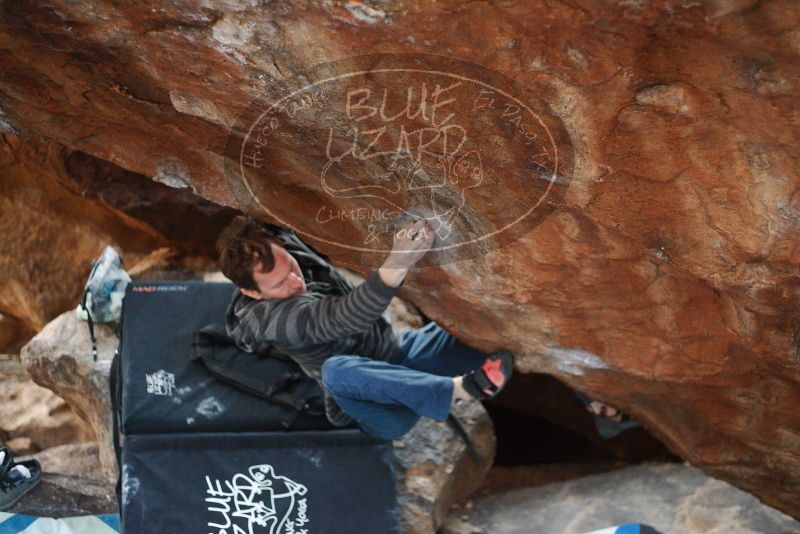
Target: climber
point(369, 374)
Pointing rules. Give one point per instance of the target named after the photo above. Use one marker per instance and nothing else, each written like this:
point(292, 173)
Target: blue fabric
point(30, 524)
point(636, 528)
point(112, 520)
point(628, 528)
point(16, 524)
point(387, 399)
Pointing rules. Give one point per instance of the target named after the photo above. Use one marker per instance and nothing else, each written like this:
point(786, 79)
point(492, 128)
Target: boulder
point(67, 496)
point(11, 369)
point(60, 209)
point(190, 222)
point(655, 142)
point(60, 358)
point(33, 418)
point(13, 334)
point(434, 468)
point(672, 498)
point(51, 234)
point(73, 459)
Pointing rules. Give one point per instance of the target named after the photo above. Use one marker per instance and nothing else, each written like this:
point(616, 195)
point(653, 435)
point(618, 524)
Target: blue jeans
point(387, 399)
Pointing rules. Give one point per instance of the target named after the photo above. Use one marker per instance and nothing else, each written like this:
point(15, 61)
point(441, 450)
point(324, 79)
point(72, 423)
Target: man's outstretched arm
point(305, 320)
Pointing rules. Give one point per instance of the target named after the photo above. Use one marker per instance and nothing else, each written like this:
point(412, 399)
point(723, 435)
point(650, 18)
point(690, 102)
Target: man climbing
point(382, 381)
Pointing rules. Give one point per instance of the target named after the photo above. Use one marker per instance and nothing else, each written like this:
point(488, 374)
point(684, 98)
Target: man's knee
point(333, 370)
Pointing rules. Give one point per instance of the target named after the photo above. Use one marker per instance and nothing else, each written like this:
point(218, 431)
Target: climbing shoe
point(486, 381)
point(19, 479)
point(601, 409)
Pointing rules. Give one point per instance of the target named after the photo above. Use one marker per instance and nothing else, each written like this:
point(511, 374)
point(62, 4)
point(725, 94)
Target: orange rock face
point(660, 270)
point(50, 234)
point(61, 208)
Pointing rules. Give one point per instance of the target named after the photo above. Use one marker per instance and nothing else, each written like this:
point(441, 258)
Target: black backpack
point(272, 376)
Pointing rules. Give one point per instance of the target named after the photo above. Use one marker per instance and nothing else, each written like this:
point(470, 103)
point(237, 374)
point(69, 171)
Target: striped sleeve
point(307, 320)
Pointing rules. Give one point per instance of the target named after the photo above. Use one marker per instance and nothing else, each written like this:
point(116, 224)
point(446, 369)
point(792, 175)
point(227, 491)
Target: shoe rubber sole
point(498, 367)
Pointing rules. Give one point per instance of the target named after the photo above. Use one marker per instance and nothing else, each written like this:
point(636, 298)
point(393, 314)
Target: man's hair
point(241, 246)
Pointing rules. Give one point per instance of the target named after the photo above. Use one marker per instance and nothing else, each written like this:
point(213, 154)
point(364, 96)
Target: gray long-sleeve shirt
point(315, 326)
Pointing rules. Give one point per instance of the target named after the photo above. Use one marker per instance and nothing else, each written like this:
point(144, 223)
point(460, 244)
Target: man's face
point(284, 280)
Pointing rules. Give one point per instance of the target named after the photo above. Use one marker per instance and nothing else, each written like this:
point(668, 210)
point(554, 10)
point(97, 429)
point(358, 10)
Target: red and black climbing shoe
point(486, 381)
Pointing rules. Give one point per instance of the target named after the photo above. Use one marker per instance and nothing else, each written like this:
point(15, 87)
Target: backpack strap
point(308, 256)
point(458, 428)
point(215, 335)
point(203, 343)
point(115, 385)
point(312, 406)
point(87, 292)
